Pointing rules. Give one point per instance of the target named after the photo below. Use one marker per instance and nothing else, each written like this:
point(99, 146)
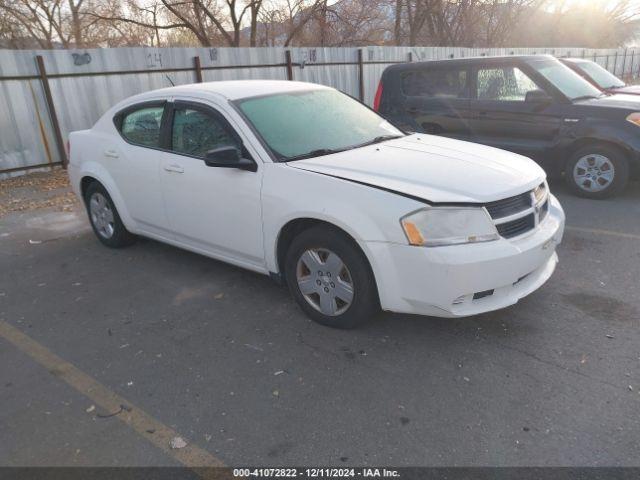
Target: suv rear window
point(435, 83)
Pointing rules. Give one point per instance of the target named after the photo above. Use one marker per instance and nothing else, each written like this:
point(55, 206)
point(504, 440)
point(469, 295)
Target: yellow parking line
point(598, 231)
point(141, 422)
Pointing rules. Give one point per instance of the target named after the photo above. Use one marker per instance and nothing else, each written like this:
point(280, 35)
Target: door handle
point(413, 110)
point(174, 168)
point(111, 153)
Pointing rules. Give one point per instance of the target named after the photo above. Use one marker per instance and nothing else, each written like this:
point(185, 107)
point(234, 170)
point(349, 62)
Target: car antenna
point(170, 81)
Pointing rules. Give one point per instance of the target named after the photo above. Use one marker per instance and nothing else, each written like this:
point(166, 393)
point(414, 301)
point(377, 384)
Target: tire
point(321, 286)
point(104, 218)
point(609, 174)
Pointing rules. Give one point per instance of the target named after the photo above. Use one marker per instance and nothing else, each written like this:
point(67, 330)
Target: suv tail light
point(376, 99)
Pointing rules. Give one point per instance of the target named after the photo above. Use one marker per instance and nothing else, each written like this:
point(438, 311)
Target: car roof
point(233, 89)
point(467, 61)
point(575, 60)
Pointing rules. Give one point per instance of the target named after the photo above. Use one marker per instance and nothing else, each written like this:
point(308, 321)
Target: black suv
point(532, 105)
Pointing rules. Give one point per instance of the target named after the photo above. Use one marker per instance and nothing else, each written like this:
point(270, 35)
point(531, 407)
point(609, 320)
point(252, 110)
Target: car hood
point(432, 168)
point(617, 100)
point(627, 90)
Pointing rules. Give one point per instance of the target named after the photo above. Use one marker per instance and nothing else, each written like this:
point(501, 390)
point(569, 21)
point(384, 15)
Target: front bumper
point(442, 281)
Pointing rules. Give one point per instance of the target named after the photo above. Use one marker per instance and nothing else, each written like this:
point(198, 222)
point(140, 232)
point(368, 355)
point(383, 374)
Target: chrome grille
point(544, 210)
point(509, 206)
point(517, 227)
point(521, 213)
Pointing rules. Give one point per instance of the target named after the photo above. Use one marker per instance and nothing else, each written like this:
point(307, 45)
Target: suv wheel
point(597, 171)
point(330, 278)
point(104, 218)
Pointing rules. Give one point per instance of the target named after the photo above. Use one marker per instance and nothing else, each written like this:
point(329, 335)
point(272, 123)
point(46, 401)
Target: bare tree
point(483, 23)
point(595, 24)
point(37, 19)
point(209, 21)
point(357, 22)
point(460, 22)
point(293, 16)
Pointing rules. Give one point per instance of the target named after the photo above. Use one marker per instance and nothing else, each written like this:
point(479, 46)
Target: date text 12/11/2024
point(316, 472)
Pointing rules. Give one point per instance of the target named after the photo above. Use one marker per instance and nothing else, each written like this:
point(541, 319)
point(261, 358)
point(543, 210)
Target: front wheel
point(330, 278)
point(597, 172)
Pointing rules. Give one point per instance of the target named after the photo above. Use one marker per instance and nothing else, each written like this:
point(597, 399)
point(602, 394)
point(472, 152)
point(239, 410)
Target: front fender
point(365, 213)
point(625, 137)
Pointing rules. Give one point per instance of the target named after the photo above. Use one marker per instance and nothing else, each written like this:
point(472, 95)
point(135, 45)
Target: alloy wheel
point(325, 281)
point(101, 215)
point(593, 173)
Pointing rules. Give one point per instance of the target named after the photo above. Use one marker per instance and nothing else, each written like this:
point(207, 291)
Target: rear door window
point(142, 126)
point(436, 83)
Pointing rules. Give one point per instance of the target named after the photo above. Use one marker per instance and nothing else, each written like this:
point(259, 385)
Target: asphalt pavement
point(224, 358)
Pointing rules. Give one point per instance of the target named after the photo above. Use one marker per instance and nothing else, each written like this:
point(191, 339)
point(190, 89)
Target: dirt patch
point(37, 191)
point(579, 244)
point(605, 308)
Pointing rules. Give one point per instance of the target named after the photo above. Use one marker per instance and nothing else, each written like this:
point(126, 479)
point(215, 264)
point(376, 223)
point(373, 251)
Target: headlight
point(540, 193)
point(432, 227)
point(634, 118)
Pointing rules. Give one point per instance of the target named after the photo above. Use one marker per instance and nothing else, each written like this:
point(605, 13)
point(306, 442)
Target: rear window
point(435, 84)
point(142, 126)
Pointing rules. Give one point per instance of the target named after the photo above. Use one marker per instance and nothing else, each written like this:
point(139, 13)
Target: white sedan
point(303, 183)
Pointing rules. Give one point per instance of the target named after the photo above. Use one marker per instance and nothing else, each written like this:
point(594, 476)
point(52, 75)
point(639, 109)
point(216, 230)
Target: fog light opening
point(485, 293)
point(460, 300)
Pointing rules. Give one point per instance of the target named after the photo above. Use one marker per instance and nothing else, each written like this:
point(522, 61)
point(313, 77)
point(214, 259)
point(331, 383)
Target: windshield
point(314, 122)
point(572, 85)
point(602, 77)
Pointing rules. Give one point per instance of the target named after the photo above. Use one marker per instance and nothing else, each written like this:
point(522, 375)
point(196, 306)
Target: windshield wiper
point(584, 97)
point(328, 151)
point(379, 139)
point(314, 153)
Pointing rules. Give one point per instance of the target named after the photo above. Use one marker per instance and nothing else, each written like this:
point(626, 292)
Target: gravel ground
point(36, 191)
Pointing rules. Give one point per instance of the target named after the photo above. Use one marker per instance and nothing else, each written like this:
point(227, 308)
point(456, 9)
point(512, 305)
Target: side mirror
point(537, 96)
point(228, 157)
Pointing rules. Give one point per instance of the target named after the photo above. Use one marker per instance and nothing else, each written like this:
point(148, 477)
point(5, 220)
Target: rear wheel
point(104, 218)
point(330, 278)
point(597, 171)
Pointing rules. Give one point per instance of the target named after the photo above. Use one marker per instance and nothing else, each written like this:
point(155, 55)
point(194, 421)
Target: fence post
point(633, 58)
point(52, 111)
point(410, 55)
point(198, 68)
point(624, 63)
point(287, 56)
point(360, 76)
point(615, 62)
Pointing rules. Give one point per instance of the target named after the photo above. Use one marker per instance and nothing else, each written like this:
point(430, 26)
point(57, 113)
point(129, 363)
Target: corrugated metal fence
point(45, 94)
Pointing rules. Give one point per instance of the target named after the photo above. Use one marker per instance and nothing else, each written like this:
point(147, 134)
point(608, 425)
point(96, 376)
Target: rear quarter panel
point(86, 160)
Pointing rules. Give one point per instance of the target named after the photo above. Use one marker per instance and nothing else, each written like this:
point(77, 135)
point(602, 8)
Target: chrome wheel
point(593, 173)
point(324, 281)
point(101, 215)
